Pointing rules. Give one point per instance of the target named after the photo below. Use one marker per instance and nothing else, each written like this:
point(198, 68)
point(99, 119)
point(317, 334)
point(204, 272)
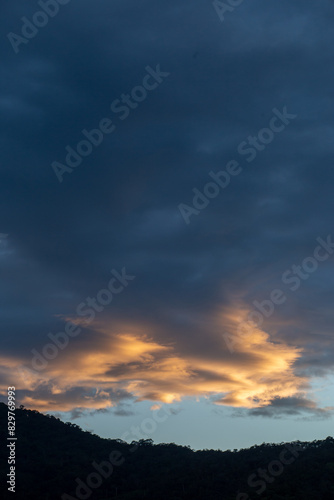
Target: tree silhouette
point(52, 456)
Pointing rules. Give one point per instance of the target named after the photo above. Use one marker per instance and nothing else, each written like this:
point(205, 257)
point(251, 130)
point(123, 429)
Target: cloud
point(163, 339)
point(130, 363)
point(297, 406)
point(155, 407)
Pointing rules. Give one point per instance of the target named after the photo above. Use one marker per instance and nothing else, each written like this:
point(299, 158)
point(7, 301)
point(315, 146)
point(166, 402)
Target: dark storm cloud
point(119, 207)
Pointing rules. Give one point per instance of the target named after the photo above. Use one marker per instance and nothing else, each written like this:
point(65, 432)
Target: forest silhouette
point(57, 460)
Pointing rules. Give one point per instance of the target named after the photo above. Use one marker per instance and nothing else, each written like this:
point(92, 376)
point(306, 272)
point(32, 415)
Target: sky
point(166, 235)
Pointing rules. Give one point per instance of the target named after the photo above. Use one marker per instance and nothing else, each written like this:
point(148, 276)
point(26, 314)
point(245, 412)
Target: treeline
point(56, 460)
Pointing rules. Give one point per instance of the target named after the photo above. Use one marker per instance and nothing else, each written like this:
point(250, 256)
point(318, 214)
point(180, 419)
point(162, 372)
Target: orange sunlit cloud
point(131, 362)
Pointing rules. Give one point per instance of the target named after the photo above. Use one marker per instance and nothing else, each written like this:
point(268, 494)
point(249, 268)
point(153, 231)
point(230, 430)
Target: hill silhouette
point(57, 460)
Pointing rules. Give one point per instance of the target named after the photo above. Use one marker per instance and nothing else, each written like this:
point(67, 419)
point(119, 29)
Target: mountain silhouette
point(57, 460)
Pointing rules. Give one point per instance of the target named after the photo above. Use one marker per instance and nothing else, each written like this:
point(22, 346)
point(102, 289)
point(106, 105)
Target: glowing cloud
point(129, 362)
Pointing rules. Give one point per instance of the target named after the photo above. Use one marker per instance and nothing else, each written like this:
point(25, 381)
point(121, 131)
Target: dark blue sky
point(202, 192)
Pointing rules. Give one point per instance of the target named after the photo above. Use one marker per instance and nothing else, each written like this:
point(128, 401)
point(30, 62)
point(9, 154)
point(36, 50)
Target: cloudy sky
point(166, 217)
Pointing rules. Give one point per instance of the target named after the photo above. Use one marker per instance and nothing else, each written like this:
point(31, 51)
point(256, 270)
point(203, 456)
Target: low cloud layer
point(126, 363)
